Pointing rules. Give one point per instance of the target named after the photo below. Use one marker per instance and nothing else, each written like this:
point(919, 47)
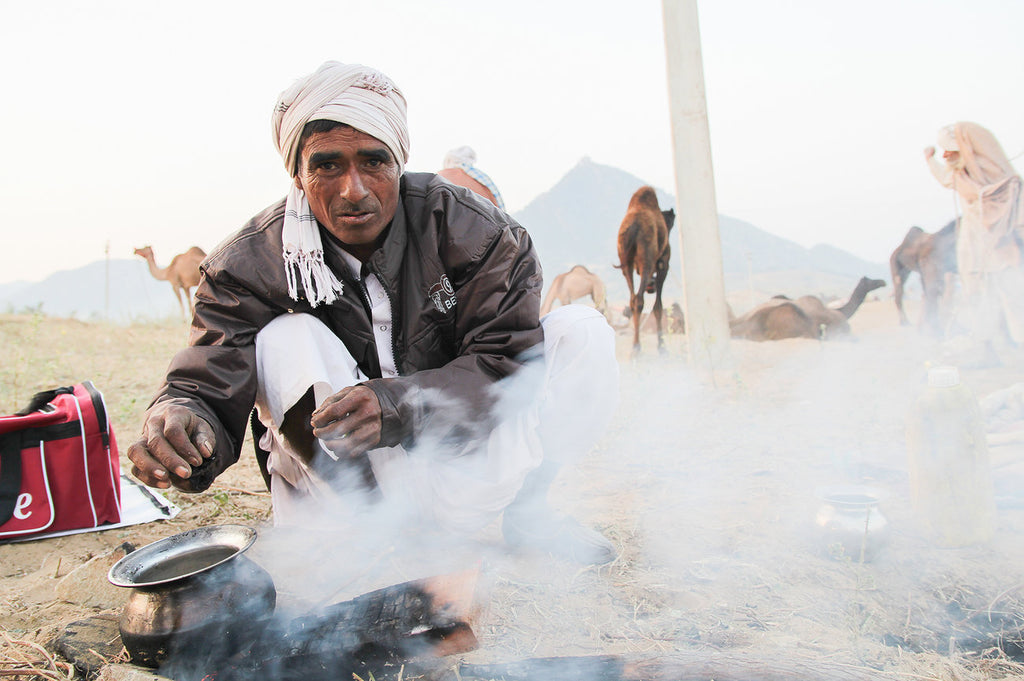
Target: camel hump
point(646, 197)
point(643, 216)
point(788, 320)
point(196, 251)
point(913, 234)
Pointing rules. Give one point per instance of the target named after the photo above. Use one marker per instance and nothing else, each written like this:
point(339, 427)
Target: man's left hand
point(349, 421)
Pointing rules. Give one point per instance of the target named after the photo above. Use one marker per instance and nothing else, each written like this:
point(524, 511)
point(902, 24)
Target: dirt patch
point(709, 493)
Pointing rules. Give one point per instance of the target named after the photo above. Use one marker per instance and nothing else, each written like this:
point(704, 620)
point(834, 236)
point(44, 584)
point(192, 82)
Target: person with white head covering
point(460, 168)
point(385, 325)
point(989, 233)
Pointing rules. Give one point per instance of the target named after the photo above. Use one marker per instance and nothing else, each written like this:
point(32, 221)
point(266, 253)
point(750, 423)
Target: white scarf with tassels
point(304, 253)
point(355, 95)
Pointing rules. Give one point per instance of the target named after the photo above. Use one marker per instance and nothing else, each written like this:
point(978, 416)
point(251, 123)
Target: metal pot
point(194, 596)
point(851, 526)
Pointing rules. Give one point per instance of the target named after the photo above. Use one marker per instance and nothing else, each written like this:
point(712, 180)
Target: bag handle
point(10, 474)
point(101, 411)
point(41, 399)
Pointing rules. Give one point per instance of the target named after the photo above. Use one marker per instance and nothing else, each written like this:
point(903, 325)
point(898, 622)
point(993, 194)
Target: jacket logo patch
point(443, 295)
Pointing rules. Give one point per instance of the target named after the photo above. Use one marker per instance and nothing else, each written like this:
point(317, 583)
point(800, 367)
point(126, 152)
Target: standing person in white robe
point(989, 234)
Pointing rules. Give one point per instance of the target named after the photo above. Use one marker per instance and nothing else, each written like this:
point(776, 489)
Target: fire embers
point(381, 629)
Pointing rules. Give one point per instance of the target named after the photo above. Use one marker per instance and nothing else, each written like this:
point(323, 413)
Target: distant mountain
point(121, 291)
point(11, 289)
point(577, 221)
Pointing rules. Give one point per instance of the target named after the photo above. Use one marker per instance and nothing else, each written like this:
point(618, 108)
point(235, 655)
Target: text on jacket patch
point(443, 295)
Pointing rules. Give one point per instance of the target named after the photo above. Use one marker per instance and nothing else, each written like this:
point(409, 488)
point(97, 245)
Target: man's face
point(351, 182)
point(952, 157)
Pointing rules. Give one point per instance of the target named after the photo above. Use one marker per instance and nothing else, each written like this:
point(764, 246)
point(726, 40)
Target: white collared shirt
point(381, 316)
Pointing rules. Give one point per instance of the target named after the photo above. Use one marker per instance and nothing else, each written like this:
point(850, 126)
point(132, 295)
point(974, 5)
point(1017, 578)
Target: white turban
point(353, 94)
point(460, 156)
point(947, 138)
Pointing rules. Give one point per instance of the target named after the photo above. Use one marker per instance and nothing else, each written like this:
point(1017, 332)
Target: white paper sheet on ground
point(139, 504)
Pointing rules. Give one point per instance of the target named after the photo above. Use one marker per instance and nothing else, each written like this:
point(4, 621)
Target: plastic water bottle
point(950, 475)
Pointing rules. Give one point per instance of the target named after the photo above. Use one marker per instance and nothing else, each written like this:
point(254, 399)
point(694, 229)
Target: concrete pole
point(106, 282)
point(698, 241)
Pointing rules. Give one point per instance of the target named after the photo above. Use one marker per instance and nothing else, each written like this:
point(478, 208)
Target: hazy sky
point(134, 123)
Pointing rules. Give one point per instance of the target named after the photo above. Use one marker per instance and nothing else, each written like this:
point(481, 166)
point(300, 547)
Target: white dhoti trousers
point(572, 393)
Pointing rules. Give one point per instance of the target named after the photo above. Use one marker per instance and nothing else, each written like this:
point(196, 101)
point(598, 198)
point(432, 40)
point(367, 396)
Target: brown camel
point(644, 249)
point(573, 285)
point(182, 273)
point(933, 257)
point(805, 317)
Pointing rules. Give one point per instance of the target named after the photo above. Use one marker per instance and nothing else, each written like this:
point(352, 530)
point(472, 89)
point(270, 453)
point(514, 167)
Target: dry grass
point(127, 365)
point(125, 362)
point(696, 490)
point(31, 661)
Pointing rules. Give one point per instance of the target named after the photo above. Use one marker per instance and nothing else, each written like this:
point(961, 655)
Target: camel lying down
point(805, 317)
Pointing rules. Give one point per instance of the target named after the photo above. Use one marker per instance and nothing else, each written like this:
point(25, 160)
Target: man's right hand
point(174, 441)
point(929, 152)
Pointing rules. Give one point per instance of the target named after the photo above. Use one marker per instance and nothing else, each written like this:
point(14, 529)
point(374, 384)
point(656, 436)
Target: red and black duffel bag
point(59, 467)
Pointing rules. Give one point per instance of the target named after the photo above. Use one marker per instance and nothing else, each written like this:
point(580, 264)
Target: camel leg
point(545, 306)
point(897, 283)
point(636, 304)
point(899, 277)
point(627, 272)
point(598, 294)
point(658, 312)
point(178, 297)
point(191, 303)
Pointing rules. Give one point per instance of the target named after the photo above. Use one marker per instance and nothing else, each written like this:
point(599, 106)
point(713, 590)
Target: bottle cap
point(943, 377)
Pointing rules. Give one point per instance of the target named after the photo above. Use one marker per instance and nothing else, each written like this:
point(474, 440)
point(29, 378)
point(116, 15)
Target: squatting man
point(385, 325)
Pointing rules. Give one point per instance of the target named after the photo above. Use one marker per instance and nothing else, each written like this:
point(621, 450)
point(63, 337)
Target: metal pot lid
point(851, 495)
point(181, 555)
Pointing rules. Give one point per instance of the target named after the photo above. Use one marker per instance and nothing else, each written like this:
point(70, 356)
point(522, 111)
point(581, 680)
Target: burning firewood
point(383, 629)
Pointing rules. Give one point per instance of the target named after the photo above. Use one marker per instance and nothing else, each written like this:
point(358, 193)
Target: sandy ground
point(708, 488)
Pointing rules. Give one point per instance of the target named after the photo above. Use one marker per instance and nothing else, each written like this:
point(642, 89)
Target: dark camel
point(182, 273)
point(573, 285)
point(805, 317)
point(644, 249)
point(933, 257)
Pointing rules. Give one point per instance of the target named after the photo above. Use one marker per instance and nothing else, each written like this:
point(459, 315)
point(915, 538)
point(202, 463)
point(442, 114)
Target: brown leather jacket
point(464, 281)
